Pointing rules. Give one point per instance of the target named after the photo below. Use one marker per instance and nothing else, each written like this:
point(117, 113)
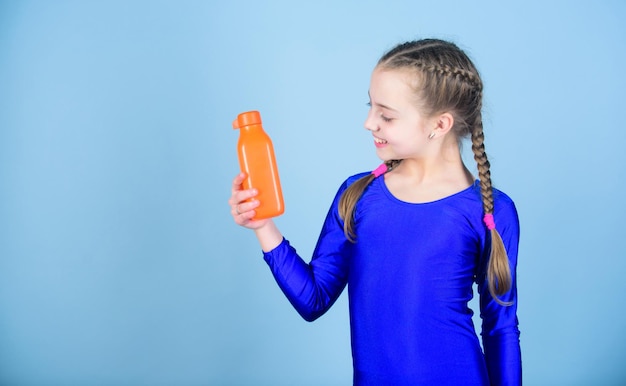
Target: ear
point(443, 123)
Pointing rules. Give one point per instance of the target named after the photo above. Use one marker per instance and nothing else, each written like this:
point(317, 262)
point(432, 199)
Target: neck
point(431, 177)
point(444, 163)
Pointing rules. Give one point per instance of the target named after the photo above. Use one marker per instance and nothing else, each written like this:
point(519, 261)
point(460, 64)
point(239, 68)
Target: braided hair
point(446, 80)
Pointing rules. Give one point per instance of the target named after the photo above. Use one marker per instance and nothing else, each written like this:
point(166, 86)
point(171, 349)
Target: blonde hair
point(446, 80)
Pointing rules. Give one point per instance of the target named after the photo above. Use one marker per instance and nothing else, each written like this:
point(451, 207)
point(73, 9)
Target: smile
point(379, 141)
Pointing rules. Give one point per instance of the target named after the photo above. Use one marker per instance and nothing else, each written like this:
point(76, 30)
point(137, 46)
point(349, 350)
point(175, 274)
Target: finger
point(245, 207)
point(234, 211)
point(243, 195)
point(245, 218)
point(238, 182)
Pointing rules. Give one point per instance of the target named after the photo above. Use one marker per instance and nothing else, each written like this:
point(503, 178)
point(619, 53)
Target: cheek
point(409, 143)
point(409, 137)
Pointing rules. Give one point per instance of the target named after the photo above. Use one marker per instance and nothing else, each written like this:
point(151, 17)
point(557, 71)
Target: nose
point(370, 121)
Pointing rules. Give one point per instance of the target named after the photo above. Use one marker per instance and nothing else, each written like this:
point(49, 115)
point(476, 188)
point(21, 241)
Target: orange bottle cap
point(246, 119)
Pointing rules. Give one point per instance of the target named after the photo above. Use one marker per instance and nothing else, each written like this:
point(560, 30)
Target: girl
point(411, 237)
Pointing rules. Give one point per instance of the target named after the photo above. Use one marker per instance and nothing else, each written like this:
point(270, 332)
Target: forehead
point(392, 87)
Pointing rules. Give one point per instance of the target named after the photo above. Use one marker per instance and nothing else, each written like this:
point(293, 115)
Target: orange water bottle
point(257, 160)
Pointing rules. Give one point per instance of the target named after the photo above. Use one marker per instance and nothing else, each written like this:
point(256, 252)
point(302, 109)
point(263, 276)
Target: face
point(400, 131)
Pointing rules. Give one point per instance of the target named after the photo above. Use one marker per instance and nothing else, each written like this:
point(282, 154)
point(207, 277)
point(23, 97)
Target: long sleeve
point(313, 287)
point(411, 273)
point(500, 333)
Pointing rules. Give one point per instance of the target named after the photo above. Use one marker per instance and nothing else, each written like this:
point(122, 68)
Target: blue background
point(119, 261)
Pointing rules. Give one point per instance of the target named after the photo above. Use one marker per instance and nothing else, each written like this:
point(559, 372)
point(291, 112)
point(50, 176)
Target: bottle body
point(258, 161)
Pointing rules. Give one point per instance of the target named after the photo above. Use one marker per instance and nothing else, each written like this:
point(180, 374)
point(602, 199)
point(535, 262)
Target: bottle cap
point(247, 119)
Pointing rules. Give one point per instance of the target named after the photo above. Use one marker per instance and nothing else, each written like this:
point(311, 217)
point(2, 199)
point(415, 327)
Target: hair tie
point(488, 219)
point(379, 171)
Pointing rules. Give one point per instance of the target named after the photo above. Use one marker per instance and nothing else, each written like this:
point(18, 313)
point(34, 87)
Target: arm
point(314, 287)
point(311, 288)
point(500, 333)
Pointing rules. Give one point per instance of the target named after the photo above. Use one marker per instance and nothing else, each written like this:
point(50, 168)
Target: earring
point(432, 135)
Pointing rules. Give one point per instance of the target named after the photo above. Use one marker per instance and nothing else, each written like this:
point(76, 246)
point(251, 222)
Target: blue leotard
point(410, 276)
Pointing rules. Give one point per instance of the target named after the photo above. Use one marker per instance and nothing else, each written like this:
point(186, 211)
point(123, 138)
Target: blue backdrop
point(119, 261)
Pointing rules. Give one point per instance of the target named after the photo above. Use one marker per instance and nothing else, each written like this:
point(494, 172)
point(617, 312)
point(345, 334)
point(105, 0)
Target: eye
point(381, 114)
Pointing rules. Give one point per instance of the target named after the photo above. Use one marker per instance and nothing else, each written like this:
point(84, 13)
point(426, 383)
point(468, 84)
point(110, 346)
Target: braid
point(443, 71)
point(349, 198)
point(460, 74)
point(498, 270)
point(484, 173)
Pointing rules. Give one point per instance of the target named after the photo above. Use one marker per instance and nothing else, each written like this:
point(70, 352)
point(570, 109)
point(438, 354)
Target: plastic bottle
point(257, 160)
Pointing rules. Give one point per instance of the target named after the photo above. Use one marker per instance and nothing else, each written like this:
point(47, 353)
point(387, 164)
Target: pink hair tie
point(379, 171)
point(488, 219)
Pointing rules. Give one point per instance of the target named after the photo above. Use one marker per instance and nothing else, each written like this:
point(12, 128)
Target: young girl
point(410, 238)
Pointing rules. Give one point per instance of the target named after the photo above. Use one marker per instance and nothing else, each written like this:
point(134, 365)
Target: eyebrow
point(380, 104)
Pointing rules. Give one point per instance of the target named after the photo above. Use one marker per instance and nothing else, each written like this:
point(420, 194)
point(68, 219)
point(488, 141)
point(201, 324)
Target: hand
point(242, 204)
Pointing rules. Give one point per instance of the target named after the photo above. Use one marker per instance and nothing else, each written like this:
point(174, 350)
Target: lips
point(379, 142)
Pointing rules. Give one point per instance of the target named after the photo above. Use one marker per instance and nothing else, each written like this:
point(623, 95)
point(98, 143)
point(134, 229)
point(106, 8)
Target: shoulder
point(350, 180)
point(499, 195)
point(500, 198)
point(505, 211)
point(503, 200)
